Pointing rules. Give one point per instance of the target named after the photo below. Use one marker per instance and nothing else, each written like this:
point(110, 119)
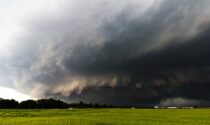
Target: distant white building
point(188, 107)
point(156, 107)
point(171, 107)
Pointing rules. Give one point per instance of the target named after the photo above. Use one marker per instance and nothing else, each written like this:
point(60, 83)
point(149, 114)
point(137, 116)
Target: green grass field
point(106, 117)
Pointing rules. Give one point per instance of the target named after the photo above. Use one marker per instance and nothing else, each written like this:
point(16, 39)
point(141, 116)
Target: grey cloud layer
point(117, 52)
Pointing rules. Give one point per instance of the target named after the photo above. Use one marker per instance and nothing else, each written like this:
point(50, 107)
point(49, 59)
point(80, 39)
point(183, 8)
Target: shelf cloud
point(129, 52)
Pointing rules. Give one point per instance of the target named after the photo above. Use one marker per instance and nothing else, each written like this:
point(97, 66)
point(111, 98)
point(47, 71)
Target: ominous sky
point(127, 52)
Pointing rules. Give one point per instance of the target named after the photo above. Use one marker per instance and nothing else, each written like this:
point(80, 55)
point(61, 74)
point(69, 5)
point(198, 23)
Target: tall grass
point(106, 117)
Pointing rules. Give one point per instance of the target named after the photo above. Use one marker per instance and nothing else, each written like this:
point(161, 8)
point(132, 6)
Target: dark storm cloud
point(119, 54)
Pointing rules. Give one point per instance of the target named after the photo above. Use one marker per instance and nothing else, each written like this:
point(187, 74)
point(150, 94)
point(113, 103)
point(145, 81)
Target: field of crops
point(106, 117)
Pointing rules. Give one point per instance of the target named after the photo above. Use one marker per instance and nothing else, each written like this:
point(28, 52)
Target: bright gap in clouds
point(7, 93)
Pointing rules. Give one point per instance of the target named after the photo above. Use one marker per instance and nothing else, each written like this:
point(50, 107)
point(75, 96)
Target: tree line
point(46, 104)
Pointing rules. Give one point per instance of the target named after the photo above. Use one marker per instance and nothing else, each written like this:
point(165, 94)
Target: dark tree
point(51, 103)
point(28, 104)
point(47, 104)
point(8, 104)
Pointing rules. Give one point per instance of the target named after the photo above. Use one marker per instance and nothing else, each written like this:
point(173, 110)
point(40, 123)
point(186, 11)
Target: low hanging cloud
point(127, 52)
